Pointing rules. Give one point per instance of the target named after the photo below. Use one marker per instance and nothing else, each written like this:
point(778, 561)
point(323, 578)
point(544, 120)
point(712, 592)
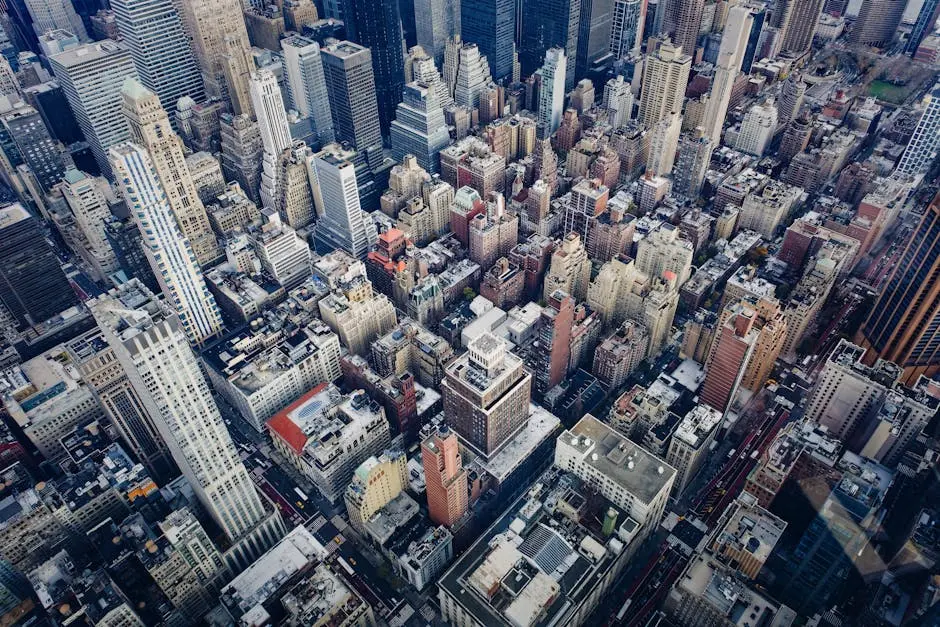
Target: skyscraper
point(665, 76)
point(618, 100)
point(350, 84)
point(169, 252)
point(791, 98)
point(548, 24)
point(343, 225)
point(904, 324)
point(419, 127)
point(626, 32)
point(33, 287)
point(150, 344)
point(731, 351)
point(922, 148)
point(800, 26)
point(376, 24)
point(491, 25)
point(552, 91)
point(86, 199)
point(445, 476)
point(926, 19)
point(54, 15)
point(436, 21)
point(730, 56)
point(275, 131)
point(220, 41)
point(688, 20)
point(554, 341)
point(486, 395)
point(91, 77)
point(304, 67)
point(153, 32)
point(594, 33)
point(471, 76)
point(692, 161)
point(877, 22)
point(44, 156)
point(757, 128)
point(150, 129)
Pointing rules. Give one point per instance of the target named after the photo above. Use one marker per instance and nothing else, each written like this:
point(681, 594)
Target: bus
point(623, 610)
point(731, 453)
point(301, 494)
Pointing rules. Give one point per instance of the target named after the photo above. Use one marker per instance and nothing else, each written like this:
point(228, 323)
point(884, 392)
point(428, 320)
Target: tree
point(469, 294)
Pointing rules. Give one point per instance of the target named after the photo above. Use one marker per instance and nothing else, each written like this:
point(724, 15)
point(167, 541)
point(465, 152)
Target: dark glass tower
point(376, 24)
point(491, 25)
point(928, 16)
point(547, 24)
point(33, 287)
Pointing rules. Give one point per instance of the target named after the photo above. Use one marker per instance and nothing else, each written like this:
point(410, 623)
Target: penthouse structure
point(326, 435)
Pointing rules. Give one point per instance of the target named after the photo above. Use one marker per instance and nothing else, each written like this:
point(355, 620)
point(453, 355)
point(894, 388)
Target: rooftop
point(697, 424)
point(746, 526)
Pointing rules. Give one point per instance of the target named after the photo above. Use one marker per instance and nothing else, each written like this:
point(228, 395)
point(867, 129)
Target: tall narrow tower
point(445, 476)
point(169, 252)
point(730, 57)
point(800, 27)
point(304, 68)
point(343, 225)
point(922, 148)
point(150, 129)
point(491, 24)
point(436, 21)
point(552, 91)
point(688, 16)
point(275, 131)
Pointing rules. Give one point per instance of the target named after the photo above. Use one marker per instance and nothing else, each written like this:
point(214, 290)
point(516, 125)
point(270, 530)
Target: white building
point(664, 143)
point(664, 250)
point(343, 225)
point(757, 128)
point(472, 76)
point(284, 255)
point(618, 100)
point(275, 130)
point(552, 91)
point(922, 149)
point(730, 57)
point(55, 15)
point(307, 86)
point(689, 444)
point(86, 199)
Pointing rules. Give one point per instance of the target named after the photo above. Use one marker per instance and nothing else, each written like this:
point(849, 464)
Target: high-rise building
point(86, 199)
point(730, 57)
point(569, 270)
point(757, 128)
point(37, 149)
point(552, 91)
point(220, 41)
point(557, 320)
point(904, 324)
point(877, 22)
point(91, 77)
point(419, 127)
point(925, 141)
point(594, 33)
point(664, 141)
point(153, 32)
point(55, 15)
point(275, 130)
point(150, 344)
point(800, 26)
point(150, 129)
point(445, 477)
point(618, 100)
point(491, 25)
point(304, 69)
point(375, 483)
point(436, 21)
point(376, 25)
point(626, 32)
point(471, 76)
point(33, 287)
point(343, 225)
point(169, 251)
point(688, 20)
point(486, 395)
point(665, 76)
point(923, 26)
point(549, 24)
point(241, 152)
point(692, 163)
point(791, 98)
point(664, 250)
point(350, 84)
point(731, 351)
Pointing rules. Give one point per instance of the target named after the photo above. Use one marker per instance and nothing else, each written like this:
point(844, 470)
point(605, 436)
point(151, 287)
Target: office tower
point(626, 32)
point(925, 141)
point(43, 155)
point(549, 24)
point(594, 33)
point(86, 199)
point(757, 128)
point(486, 395)
point(664, 141)
point(33, 287)
point(618, 100)
point(877, 22)
point(55, 15)
point(275, 131)
point(692, 163)
point(350, 84)
point(800, 26)
point(731, 351)
point(588, 201)
point(220, 41)
point(304, 69)
point(91, 77)
point(904, 323)
point(552, 91)
point(688, 19)
point(554, 338)
point(471, 76)
point(150, 129)
point(791, 98)
point(343, 225)
point(665, 76)
point(436, 21)
point(923, 26)
point(169, 251)
point(241, 153)
point(730, 57)
point(153, 33)
point(445, 476)
point(419, 127)
point(491, 25)
point(424, 70)
point(149, 342)
point(376, 25)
